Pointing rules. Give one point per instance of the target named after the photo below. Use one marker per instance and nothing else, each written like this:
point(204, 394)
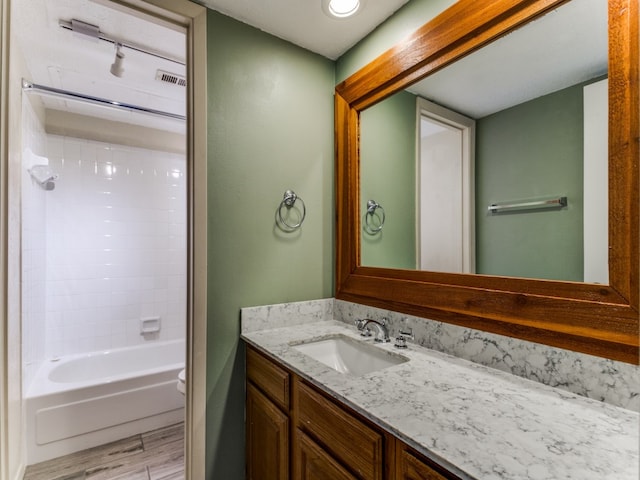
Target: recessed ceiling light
point(341, 8)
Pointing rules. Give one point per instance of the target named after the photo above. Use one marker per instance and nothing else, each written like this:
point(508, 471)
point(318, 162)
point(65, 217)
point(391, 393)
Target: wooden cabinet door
point(267, 440)
point(410, 466)
point(313, 463)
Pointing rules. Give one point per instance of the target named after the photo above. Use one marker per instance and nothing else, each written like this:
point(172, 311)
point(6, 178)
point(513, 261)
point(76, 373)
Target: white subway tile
point(108, 249)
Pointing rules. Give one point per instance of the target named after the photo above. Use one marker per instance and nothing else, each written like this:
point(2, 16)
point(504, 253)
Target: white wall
point(15, 451)
point(596, 183)
point(116, 245)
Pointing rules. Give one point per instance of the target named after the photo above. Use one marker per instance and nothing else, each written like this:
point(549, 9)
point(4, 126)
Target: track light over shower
point(116, 67)
point(92, 32)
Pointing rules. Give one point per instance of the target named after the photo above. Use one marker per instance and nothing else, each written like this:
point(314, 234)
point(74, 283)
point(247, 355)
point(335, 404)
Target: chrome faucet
point(382, 334)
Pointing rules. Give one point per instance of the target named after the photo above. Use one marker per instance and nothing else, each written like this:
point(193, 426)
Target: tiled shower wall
point(33, 239)
point(116, 245)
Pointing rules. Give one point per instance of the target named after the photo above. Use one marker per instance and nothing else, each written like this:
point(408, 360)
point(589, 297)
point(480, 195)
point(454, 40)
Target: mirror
point(526, 97)
point(587, 317)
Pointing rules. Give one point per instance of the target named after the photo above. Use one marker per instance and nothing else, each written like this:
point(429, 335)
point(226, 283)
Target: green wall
point(387, 175)
point(532, 150)
point(270, 120)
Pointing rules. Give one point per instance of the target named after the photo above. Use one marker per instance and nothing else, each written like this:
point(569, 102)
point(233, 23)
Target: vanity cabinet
point(267, 419)
point(295, 431)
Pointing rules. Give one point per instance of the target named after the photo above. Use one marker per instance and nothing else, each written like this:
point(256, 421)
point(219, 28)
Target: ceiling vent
point(171, 78)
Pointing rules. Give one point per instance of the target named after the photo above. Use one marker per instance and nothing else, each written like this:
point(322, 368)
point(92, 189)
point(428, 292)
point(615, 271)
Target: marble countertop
point(478, 422)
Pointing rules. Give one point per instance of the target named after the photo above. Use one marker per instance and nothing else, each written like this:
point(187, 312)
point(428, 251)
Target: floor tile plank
point(173, 476)
point(139, 474)
point(70, 466)
point(156, 455)
point(161, 436)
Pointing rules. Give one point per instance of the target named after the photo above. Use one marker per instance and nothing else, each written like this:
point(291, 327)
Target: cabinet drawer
point(268, 377)
point(313, 463)
point(413, 466)
point(347, 438)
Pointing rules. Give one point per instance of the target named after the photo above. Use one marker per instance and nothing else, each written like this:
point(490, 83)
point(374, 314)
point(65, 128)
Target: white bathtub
point(85, 400)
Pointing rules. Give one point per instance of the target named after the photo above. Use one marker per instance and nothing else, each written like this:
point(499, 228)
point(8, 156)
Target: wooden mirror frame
point(595, 319)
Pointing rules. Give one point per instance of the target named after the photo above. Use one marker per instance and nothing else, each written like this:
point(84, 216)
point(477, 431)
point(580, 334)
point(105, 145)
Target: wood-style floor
point(156, 455)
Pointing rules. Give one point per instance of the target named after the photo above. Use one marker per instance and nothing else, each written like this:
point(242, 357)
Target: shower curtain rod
point(67, 95)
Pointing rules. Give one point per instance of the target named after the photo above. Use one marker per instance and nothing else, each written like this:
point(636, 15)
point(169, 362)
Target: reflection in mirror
point(445, 157)
point(532, 94)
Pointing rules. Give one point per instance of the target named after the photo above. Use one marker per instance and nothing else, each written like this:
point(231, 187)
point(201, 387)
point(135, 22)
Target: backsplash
point(609, 381)
point(286, 314)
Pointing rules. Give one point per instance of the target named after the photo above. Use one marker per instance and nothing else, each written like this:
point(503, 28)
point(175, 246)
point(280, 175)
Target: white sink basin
point(347, 355)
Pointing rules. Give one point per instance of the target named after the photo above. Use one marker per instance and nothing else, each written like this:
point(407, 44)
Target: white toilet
point(181, 381)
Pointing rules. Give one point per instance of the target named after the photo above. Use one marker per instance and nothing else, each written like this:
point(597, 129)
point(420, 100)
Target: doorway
point(192, 18)
point(445, 203)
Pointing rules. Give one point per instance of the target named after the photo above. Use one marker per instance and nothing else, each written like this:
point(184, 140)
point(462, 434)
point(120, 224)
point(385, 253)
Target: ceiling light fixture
point(92, 32)
point(116, 67)
point(341, 8)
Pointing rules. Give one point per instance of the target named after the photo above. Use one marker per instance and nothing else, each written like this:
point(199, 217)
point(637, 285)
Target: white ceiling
point(564, 47)
point(572, 45)
point(59, 58)
point(62, 59)
point(304, 23)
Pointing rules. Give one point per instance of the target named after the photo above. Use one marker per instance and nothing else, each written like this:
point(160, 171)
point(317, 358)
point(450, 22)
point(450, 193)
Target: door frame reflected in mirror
point(457, 219)
point(590, 318)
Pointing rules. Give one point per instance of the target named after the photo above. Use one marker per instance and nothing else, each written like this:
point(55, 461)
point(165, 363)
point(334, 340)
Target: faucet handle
point(401, 339)
point(401, 342)
point(365, 332)
point(408, 334)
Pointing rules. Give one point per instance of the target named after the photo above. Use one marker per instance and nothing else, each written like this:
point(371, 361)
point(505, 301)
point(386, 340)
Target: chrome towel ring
point(370, 226)
point(288, 201)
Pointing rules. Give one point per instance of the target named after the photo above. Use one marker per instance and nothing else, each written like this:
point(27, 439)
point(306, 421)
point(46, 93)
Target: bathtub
point(81, 401)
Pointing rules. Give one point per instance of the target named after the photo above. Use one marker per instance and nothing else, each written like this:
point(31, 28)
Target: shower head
point(43, 177)
point(48, 185)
